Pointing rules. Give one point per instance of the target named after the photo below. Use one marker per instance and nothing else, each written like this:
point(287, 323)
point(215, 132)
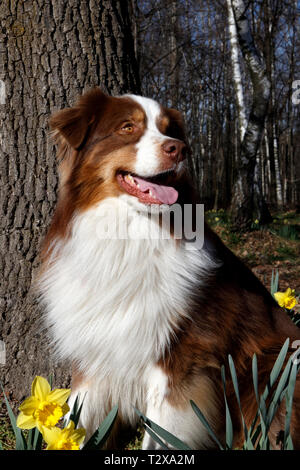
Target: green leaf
point(289, 404)
point(100, 436)
point(30, 439)
point(277, 368)
point(274, 282)
point(248, 445)
point(280, 389)
point(255, 377)
point(34, 440)
point(76, 410)
point(289, 444)
point(50, 380)
point(257, 432)
point(206, 424)
point(20, 439)
point(267, 415)
point(237, 394)
point(155, 437)
point(229, 428)
point(163, 433)
point(263, 417)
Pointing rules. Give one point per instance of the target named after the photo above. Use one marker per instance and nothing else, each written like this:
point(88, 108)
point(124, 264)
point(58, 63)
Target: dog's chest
point(112, 304)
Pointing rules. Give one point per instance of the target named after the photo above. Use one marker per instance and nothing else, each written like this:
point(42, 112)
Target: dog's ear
point(71, 124)
point(74, 123)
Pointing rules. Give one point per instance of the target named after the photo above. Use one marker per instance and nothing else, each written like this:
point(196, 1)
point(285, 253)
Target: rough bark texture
point(236, 71)
point(243, 203)
point(50, 52)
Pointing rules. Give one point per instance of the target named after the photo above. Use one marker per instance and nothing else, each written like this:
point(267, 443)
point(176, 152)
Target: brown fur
point(234, 315)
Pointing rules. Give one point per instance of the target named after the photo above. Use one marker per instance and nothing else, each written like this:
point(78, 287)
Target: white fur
point(113, 304)
point(181, 422)
point(147, 160)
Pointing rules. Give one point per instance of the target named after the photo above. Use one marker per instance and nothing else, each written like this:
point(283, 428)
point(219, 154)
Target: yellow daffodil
point(256, 221)
point(68, 438)
point(217, 219)
point(286, 299)
point(44, 407)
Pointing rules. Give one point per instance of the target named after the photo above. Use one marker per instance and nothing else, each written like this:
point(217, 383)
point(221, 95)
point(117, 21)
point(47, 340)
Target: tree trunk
point(50, 53)
point(174, 55)
point(236, 72)
point(279, 196)
point(243, 203)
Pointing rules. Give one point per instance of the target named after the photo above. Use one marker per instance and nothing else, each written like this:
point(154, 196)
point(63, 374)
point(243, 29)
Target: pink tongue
point(165, 194)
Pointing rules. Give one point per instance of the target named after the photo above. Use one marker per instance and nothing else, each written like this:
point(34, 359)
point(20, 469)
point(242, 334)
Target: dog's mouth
point(153, 190)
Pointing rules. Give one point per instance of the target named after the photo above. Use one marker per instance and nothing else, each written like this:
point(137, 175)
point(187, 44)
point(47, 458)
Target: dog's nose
point(174, 149)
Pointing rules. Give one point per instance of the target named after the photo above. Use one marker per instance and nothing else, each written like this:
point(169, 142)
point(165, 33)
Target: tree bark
point(174, 54)
point(236, 71)
point(51, 51)
point(243, 204)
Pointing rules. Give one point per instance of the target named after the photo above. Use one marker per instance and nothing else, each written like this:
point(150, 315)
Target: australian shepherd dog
point(147, 321)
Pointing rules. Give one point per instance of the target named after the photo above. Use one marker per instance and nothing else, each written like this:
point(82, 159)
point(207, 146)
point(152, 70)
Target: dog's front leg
point(179, 421)
point(171, 409)
point(95, 395)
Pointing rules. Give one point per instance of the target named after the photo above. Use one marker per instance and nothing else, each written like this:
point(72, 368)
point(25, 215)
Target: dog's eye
point(128, 128)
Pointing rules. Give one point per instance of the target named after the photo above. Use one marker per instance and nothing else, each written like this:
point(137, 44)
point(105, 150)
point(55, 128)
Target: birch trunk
point(279, 196)
point(267, 179)
point(279, 192)
point(236, 72)
point(243, 202)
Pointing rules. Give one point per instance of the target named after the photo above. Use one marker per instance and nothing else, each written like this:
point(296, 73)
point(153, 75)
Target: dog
point(147, 322)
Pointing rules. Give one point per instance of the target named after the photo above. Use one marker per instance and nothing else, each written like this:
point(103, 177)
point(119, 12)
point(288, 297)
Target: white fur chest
point(112, 304)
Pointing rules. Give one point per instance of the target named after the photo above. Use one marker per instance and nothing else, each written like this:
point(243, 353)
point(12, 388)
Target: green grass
point(136, 441)
point(7, 437)
point(286, 225)
point(285, 252)
point(289, 232)
point(290, 216)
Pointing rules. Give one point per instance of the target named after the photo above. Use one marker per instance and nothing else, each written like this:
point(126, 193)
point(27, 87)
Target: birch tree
point(243, 203)
point(236, 71)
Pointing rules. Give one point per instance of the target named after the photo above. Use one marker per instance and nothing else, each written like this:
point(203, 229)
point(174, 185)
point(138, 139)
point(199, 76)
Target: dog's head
point(116, 146)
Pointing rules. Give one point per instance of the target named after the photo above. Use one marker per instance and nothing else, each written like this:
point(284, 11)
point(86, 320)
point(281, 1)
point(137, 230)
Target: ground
point(264, 249)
